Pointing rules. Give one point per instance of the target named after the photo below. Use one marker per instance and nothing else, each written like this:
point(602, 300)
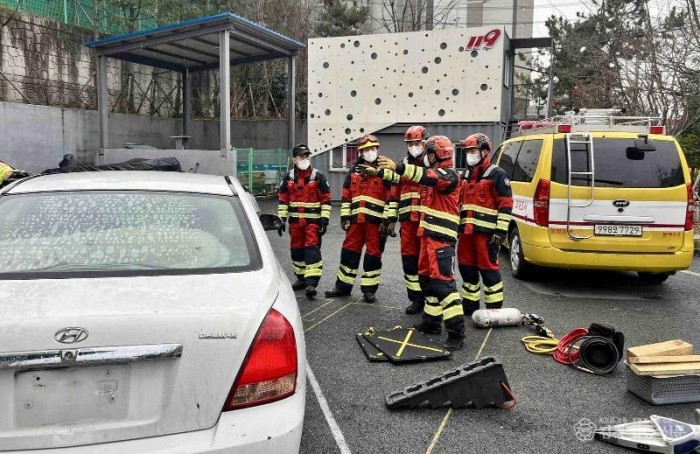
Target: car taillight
point(542, 203)
point(565, 129)
point(269, 371)
point(689, 215)
point(657, 129)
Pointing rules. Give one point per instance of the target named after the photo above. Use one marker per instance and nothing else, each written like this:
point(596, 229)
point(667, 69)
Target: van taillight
point(689, 215)
point(542, 203)
point(269, 372)
point(657, 129)
point(565, 129)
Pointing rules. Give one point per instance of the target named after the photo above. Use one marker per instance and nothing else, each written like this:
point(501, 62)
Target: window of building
point(342, 158)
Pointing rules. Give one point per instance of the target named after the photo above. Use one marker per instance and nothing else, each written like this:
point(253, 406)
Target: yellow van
point(625, 204)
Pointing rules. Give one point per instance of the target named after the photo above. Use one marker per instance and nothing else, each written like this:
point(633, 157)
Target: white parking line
point(335, 430)
point(691, 272)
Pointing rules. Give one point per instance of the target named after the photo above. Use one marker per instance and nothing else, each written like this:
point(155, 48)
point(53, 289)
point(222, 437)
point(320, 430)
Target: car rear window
point(619, 165)
point(123, 233)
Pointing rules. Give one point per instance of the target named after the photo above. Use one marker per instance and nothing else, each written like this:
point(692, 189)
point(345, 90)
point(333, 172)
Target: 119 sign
point(488, 40)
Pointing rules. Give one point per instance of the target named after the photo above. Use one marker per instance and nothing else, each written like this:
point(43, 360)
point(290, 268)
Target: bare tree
point(413, 15)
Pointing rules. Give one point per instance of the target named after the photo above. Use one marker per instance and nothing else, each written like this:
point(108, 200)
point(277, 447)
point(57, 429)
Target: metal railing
point(589, 120)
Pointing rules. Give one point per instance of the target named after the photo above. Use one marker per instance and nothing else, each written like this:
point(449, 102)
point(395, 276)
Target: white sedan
point(144, 312)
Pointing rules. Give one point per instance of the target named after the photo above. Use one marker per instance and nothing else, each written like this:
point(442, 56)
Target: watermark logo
point(585, 430)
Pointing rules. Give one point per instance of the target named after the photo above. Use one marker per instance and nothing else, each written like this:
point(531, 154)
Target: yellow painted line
point(409, 344)
point(323, 320)
point(436, 437)
point(403, 344)
point(318, 308)
point(446, 418)
point(693, 273)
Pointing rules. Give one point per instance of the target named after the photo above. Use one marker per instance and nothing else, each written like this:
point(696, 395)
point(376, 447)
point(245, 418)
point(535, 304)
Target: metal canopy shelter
point(196, 45)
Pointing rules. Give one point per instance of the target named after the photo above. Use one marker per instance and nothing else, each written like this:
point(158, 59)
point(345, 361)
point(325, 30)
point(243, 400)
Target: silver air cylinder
point(487, 318)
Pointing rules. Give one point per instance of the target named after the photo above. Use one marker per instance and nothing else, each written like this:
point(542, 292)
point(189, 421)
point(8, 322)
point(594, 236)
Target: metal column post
point(291, 101)
point(550, 89)
point(186, 103)
point(225, 94)
point(102, 104)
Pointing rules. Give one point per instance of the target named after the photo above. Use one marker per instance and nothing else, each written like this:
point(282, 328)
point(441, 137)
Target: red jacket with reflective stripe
point(409, 197)
point(367, 198)
point(304, 196)
point(487, 200)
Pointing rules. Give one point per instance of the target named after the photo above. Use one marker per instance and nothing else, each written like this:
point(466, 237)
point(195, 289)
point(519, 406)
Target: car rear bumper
point(274, 427)
point(618, 261)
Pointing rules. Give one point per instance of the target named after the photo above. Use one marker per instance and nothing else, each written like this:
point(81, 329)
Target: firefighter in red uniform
point(439, 222)
point(409, 217)
point(487, 202)
point(367, 214)
point(305, 197)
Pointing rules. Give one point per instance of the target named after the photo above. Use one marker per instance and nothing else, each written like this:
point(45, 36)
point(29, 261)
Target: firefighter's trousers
point(306, 251)
point(436, 275)
point(410, 251)
point(478, 256)
point(361, 235)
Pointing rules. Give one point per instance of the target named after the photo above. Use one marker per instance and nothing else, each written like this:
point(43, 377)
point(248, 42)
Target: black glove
point(498, 238)
point(345, 225)
point(282, 228)
point(322, 227)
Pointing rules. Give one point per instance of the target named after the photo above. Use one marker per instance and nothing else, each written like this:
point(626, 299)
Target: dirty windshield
point(69, 232)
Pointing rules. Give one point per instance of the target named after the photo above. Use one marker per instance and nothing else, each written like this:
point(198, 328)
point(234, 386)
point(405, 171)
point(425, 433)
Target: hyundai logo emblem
point(621, 203)
point(71, 335)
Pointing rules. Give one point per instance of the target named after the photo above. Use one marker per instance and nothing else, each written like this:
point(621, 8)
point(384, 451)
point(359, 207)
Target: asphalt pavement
point(555, 403)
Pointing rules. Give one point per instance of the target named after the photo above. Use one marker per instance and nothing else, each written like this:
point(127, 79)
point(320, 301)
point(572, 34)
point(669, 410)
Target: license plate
point(71, 395)
point(618, 230)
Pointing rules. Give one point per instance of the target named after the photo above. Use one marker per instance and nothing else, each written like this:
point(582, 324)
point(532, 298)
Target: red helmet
point(368, 141)
point(415, 133)
point(478, 140)
point(441, 146)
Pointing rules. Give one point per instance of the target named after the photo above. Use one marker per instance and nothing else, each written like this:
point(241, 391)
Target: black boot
point(299, 284)
point(311, 292)
point(336, 292)
point(426, 328)
point(454, 342)
point(370, 297)
point(469, 307)
point(415, 308)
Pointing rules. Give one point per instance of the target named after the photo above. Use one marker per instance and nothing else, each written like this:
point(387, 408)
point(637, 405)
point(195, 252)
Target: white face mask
point(370, 156)
point(473, 159)
point(304, 164)
point(415, 150)
point(426, 162)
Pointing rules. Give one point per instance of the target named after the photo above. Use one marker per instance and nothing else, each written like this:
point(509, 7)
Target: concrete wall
point(35, 138)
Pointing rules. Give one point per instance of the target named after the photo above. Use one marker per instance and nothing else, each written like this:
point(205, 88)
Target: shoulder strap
point(313, 175)
point(291, 175)
point(488, 171)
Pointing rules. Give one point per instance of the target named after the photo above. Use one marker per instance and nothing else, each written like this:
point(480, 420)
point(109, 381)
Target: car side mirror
point(270, 221)
point(644, 144)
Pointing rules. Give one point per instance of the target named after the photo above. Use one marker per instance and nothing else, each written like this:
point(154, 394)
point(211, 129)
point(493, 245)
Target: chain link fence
point(262, 170)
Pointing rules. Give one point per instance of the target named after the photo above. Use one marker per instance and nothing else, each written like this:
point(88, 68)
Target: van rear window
point(619, 164)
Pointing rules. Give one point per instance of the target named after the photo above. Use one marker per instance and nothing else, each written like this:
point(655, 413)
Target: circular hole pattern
point(349, 117)
point(484, 87)
point(405, 52)
point(362, 129)
point(325, 65)
point(475, 54)
point(441, 112)
point(438, 60)
point(320, 95)
point(342, 45)
point(424, 70)
point(353, 93)
point(410, 94)
point(455, 92)
point(374, 55)
point(327, 112)
point(461, 48)
point(443, 46)
point(347, 131)
point(356, 44)
point(437, 92)
point(377, 101)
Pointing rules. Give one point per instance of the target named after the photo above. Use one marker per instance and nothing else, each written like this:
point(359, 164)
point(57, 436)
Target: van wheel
point(653, 278)
point(518, 266)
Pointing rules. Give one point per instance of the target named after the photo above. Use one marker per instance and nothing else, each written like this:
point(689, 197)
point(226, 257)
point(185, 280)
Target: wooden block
point(667, 369)
point(663, 359)
point(670, 348)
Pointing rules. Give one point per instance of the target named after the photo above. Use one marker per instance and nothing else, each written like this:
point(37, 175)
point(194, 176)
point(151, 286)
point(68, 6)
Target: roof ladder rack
point(586, 140)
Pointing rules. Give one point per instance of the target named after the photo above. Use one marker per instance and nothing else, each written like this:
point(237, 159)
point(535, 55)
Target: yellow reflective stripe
point(470, 296)
point(298, 267)
point(348, 271)
point(282, 210)
point(343, 278)
point(480, 223)
point(471, 287)
point(440, 214)
point(411, 277)
point(372, 273)
point(433, 310)
point(413, 173)
point(390, 175)
point(431, 300)
point(365, 210)
point(409, 209)
point(494, 288)
point(436, 229)
point(305, 204)
point(369, 281)
point(410, 195)
point(369, 199)
point(502, 225)
point(494, 298)
point(305, 215)
point(504, 216)
point(313, 272)
point(452, 312)
point(449, 299)
point(480, 209)
point(415, 286)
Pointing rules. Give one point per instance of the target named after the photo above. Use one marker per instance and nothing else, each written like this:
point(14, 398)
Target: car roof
point(124, 180)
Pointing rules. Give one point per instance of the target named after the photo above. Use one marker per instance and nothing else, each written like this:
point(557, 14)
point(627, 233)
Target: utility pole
point(550, 90)
point(515, 19)
point(430, 9)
